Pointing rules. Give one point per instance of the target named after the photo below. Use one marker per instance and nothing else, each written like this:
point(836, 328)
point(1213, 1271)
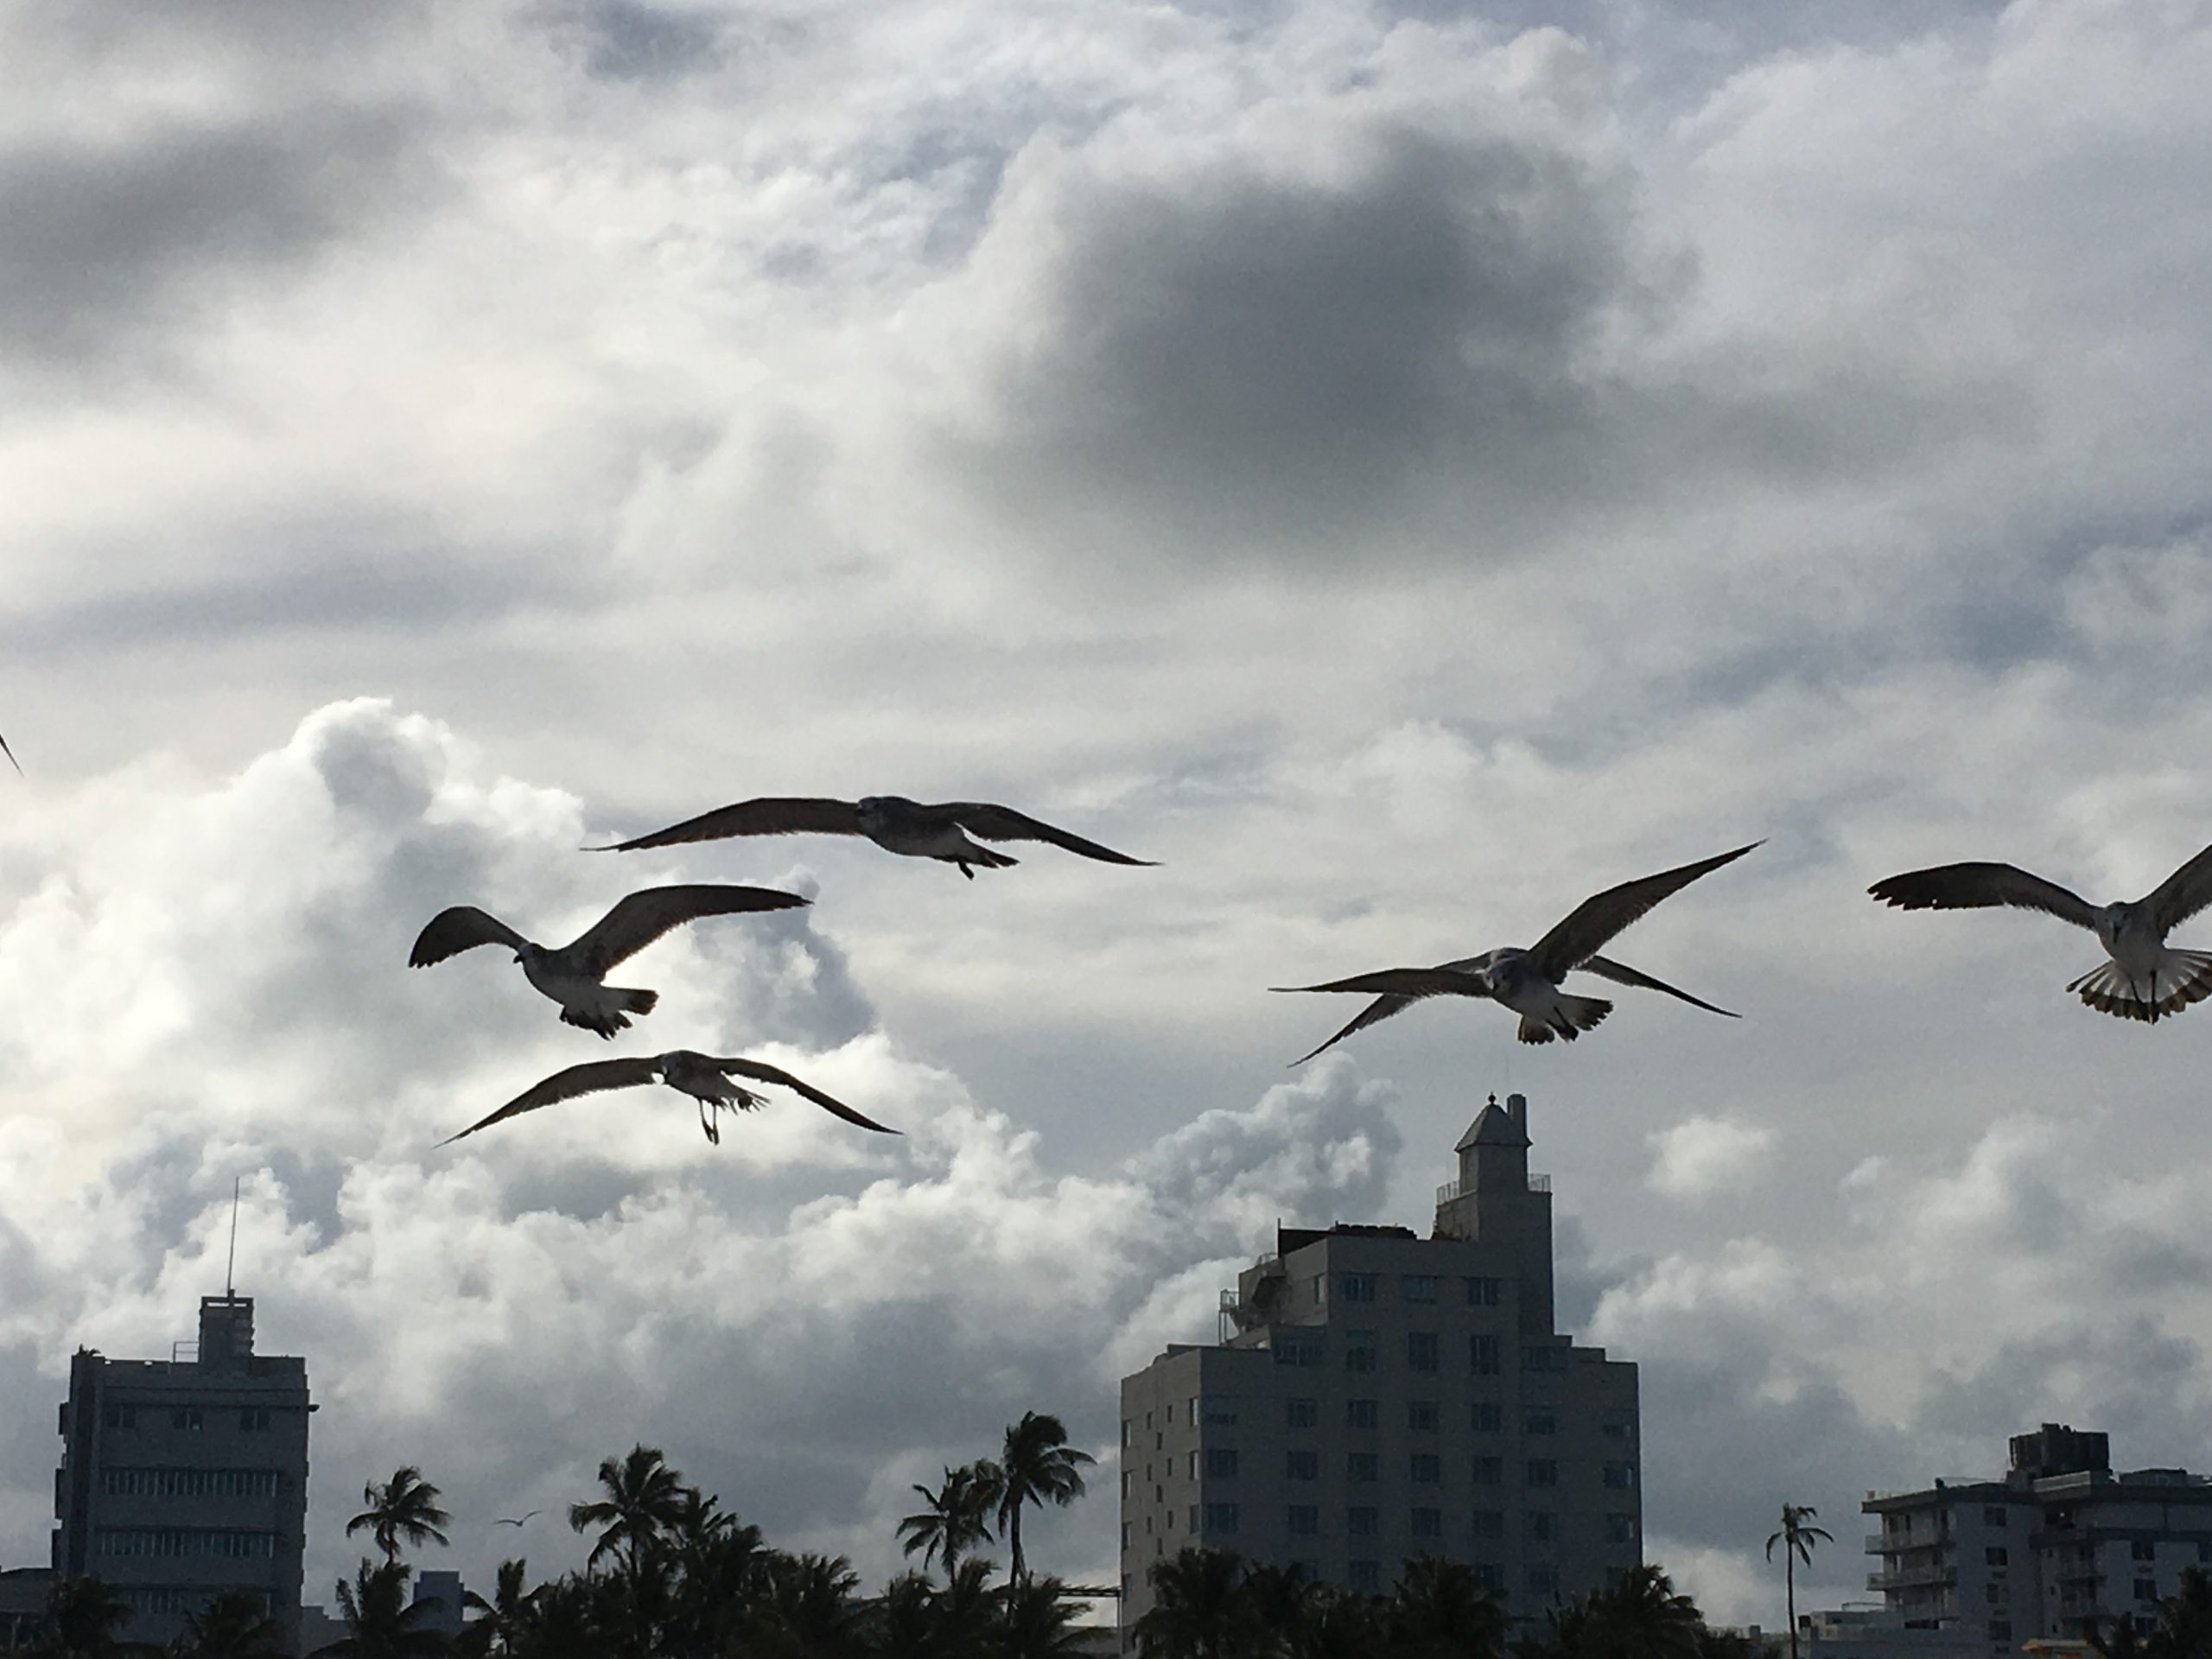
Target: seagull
point(2142, 980)
point(703, 1076)
point(574, 974)
point(892, 822)
point(514, 1520)
point(1528, 982)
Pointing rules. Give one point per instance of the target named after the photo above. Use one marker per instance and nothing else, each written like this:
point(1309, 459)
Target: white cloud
point(1702, 1156)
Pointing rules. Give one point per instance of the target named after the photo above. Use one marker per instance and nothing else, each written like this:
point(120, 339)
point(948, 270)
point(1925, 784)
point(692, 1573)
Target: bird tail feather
point(1571, 1016)
point(614, 1014)
point(2180, 978)
point(981, 855)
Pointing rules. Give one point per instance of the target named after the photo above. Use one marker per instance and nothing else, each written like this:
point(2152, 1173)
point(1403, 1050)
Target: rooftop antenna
point(229, 1268)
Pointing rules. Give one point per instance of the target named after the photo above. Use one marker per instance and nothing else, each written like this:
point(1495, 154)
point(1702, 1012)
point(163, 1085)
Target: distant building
point(1879, 1633)
point(185, 1477)
point(439, 1593)
point(24, 1593)
point(2056, 1548)
point(1375, 1395)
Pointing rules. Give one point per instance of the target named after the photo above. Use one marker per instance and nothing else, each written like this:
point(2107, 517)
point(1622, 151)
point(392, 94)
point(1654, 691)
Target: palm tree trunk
point(1014, 1541)
point(1789, 1577)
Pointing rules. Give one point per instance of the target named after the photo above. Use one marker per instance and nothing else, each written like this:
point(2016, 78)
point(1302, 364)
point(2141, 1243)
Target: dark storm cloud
point(111, 244)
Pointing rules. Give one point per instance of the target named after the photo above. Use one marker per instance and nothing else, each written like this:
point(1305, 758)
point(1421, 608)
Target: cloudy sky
point(1402, 465)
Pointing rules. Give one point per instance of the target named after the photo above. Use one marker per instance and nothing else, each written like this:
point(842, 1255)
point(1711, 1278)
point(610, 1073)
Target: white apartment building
point(1377, 1395)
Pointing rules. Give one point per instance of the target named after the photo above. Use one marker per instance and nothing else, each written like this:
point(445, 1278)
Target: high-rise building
point(185, 1477)
point(2056, 1548)
point(1375, 1395)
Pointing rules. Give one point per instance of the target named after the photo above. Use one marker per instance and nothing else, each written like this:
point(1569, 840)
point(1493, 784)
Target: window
point(1420, 1350)
point(1992, 1593)
point(1221, 1463)
point(1357, 1287)
point(1428, 1524)
point(1489, 1472)
point(1417, 1287)
point(1483, 1358)
point(1218, 1408)
point(1125, 1535)
point(1359, 1351)
point(1489, 1524)
point(1544, 1581)
point(1488, 1575)
point(1359, 1521)
point(188, 1483)
point(187, 1418)
point(1482, 1292)
point(1128, 1476)
point(1487, 1418)
point(1361, 1413)
point(1300, 1414)
point(1192, 1469)
point(1365, 1576)
point(2146, 1589)
point(2204, 1552)
point(1363, 1466)
point(1994, 1556)
point(1620, 1528)
point(1619, 1425)
point(2143, 1550)
point(2001, 1630)
point(1302, 1520)
point(1539, 1420)
point(1538, 1525)
point(1543, 1472)
point(1125, 1430)
point(1994, 1516)
point(1220, 1518)
point(1543, 1359)
point(1619, 1476)
point(1303, 1466)
point(1297, 1350)
point(1420, 1416)
point(1425, 1469)
point(1194, 1410)
point(120, 1416)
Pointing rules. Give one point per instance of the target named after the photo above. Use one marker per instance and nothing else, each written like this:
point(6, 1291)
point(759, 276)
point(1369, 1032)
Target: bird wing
point(1412, 983)
point(1621, 974)
point(1595, 920)
point(1976, 887)
point(461, 928)
point(10, 753)
point(636, 920)
point(2182, 895)
point(586, 1079)
point(1383, 1007)
point(760, 1071)
point(990, 822)
point(772, 815)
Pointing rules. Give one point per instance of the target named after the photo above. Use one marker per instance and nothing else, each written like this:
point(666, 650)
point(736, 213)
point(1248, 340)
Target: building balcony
point(1897, 1544)
point(1913, 1577)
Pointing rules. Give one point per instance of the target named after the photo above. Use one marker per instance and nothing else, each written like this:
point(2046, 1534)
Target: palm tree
point(1440, 1612)
point(2185, 1619)
point(807, 1610)
point(1037, 1466)
point(1796, 1539)
point(644, 1499)
point(405, 1507)
point(234, 1625)
point(506, 1617)
point(1197, 1605)
point(956, 1520)
point(1036, 1620)
point(380, 1622)
point(1640, 1618)
point(82, 1617)
point(1335, 1623)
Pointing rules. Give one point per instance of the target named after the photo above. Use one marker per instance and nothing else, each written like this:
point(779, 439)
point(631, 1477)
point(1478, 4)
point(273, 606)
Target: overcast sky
point(1404, 467)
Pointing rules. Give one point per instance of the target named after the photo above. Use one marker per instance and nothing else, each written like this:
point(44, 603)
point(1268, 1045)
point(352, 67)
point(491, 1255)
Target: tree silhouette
point(1796, 1539)
point(1439, 1611)
point(82, 1617)
point(1037, 1466)
point(404, 1507)
point(1197, 1605)
point(956, 1520)
point(505, 1622)
point(380, 1623)
point(234, 1625)
point(645, 1498)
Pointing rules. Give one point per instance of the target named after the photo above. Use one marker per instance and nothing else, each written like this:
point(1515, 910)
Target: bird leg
point(714, 1130)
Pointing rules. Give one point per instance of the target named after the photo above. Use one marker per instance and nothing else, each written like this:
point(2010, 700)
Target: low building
point(24, 1593)
point(2058, 1548)
point(1879, 1633)
point(1374, 1396)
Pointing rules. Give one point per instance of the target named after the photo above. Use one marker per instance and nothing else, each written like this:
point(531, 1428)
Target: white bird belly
point(572, 990)
point(945, 841)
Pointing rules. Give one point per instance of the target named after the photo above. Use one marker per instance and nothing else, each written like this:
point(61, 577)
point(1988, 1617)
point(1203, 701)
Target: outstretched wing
point(10, 753)
point(2182, 895)
point(760, 1071)
point(586, 1079)
point(990, 822)
point(1412, 983)
point(637, 921)
point(773, 814)
point(1621, 974)
point(461, 928)
point(1595, 920)
point(1978, 887)
point(1383, 1007)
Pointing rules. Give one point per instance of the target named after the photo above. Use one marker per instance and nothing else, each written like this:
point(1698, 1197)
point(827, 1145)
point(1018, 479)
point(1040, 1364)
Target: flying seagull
point(703, 1076)
point(513, 1519)
point(573, 975)
point(892, 822)
point(2143, 978)
point(1528, 982)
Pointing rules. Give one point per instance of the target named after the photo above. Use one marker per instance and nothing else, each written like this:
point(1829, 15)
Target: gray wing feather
point(588, 1079)
point(760, 1071)
point(1596, 920)
point(2182, 895)
point(636, 921)
point(461, 928)
point(774, 815)
point(988, 823)
point(1621, 974)
point(1383, 1007)
point(1980, 886)
point(10, 753)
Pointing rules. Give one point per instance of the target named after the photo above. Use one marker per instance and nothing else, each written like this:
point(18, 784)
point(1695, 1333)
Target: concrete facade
point(2058, 1546)
point(185, 1477)
point(1376, 1395)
